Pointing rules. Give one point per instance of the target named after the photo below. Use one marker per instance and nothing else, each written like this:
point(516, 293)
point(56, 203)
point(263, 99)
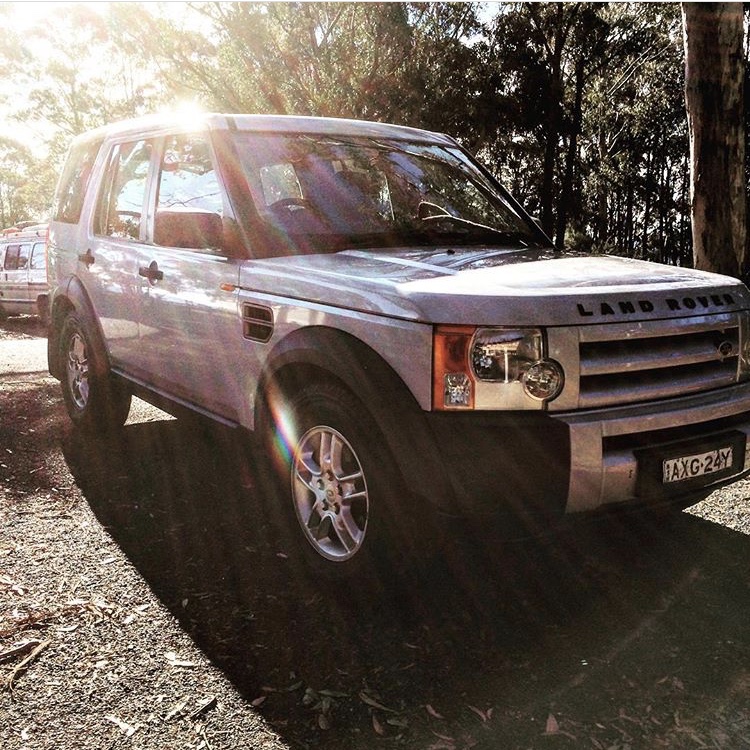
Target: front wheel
point(341, 503)
point(329, 492)
point(93, 399)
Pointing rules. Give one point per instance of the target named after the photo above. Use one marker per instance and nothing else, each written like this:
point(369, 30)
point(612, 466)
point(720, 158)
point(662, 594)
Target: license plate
point(696, 465)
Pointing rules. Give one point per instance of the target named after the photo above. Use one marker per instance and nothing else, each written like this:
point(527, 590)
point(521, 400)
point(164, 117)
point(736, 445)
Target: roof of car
point(24, 232)
point(158, 124)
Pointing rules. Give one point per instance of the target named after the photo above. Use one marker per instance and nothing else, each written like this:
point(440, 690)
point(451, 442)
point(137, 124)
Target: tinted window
point(324, 193)
point(123, 191)
point(71, 189)
point(17, 257)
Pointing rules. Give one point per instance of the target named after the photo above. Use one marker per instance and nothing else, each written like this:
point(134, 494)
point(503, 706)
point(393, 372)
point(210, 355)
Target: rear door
point(16, 276)
point(108, 263)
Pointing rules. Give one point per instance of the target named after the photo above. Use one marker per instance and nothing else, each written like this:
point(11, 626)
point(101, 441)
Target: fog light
point(543, 380)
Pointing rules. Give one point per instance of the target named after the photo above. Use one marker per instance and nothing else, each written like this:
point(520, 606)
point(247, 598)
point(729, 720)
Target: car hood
point(491, 286)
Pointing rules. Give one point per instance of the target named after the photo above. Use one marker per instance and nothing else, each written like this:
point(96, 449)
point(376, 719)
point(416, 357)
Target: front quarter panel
point(405, 346)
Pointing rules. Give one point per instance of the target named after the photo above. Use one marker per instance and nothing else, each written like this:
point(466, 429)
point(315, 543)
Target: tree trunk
point(629, 224)
point(647, 203)
point(566, 192)
point(685, 235)
point(713, 34)
point(603, 213)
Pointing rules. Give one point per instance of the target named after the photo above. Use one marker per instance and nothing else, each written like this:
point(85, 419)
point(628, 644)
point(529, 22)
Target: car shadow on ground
point(607, 631)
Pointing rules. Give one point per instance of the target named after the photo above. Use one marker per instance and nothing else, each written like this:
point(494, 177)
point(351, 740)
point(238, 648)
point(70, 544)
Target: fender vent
point(257, 322)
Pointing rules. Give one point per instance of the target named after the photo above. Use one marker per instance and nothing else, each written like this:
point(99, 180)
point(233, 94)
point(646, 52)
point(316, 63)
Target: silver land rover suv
point(401, 336)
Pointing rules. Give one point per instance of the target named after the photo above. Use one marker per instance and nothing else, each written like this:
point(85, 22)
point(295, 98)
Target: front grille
point(622, 364)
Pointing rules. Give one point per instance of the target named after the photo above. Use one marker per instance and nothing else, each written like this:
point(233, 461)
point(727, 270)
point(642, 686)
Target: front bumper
point(583, 461)
point(605, 444)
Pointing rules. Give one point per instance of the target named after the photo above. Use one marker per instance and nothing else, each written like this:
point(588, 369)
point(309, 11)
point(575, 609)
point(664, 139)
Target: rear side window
point(74, 182)
point(122, 198)
point(17, 257)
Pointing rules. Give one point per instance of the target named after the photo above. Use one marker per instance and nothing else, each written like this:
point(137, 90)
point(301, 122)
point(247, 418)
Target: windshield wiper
point(466, 227)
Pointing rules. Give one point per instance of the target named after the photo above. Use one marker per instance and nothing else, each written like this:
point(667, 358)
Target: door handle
point(151, 272)
point(87, 258)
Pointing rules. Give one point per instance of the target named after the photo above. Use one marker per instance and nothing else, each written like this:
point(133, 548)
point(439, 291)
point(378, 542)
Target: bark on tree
point(713, 36)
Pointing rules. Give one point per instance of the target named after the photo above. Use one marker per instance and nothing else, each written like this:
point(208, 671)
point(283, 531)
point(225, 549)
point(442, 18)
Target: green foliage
point(577, 107)
point(24, 184)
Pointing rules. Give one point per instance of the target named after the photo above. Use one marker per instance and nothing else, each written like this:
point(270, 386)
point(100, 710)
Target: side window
point(38, 258)
point(123, 191)
point(71, 190)
point(17, 257)
point(189, 202)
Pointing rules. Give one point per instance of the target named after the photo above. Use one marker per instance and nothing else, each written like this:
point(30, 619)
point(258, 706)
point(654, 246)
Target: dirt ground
point(144, 604)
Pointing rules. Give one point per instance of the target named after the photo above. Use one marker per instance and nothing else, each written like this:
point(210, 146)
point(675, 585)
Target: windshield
point(321, 193)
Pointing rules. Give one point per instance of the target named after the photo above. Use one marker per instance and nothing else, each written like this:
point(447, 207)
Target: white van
point(23, 271)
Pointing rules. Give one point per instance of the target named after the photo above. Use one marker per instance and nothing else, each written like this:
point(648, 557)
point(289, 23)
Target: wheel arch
point(73, 297)
point(324, 355)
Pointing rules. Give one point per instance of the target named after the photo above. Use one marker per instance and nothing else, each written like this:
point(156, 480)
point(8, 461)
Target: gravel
point(144, 604)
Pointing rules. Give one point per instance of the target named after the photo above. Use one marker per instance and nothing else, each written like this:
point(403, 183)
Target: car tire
point(340, 504)
point(95, 401)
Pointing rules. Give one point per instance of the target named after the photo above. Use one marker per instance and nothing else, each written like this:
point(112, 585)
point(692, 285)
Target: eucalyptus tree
point(546, 55)
point(635, 136)
point(282, 58)
point(403, 62)
point(75, 75)
point(593, 130)
point(714, 93)
point(25, 184)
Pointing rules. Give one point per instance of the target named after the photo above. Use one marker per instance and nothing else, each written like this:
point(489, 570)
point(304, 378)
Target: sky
point(22, 17)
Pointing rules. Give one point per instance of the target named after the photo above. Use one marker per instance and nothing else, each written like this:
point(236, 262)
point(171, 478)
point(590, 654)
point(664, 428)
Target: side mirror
point(197, 230)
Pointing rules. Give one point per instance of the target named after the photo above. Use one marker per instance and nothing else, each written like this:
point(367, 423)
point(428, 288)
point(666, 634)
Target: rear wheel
point(93, 398)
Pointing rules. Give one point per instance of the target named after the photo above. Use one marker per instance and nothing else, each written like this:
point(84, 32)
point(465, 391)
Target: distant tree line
point(579, 108)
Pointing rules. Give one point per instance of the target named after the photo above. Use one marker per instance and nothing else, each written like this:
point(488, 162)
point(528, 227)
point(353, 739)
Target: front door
point(38, 272)
point(190, 330)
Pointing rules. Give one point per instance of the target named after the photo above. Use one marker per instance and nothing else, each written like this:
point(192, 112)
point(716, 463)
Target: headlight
point(504, 355)
point(493, 368)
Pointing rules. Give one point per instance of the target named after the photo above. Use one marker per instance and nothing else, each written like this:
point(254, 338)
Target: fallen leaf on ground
point(377, 726)
point(432, 712)
point(370, 701)
point(483, 715)
point(126, 728)
point(174, 661)
point(552, 727)
point(177, 709)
